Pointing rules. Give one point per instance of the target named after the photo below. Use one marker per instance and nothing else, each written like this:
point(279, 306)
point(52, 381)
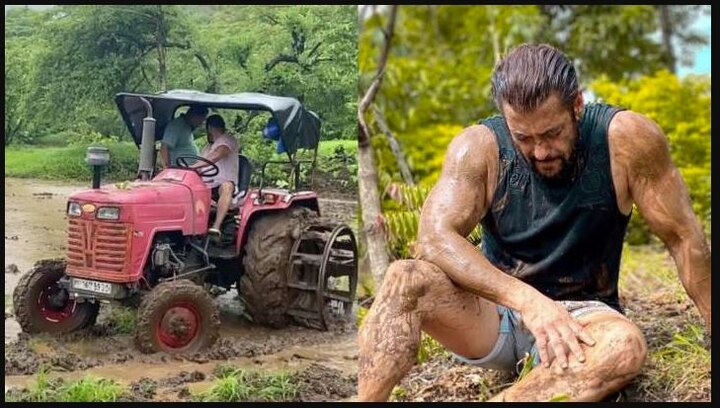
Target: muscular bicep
point(458, 200)
point(655, 184)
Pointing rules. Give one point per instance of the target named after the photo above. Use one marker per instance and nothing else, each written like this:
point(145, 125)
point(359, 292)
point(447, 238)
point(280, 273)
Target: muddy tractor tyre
point(41, 305)
point(177, 317)
point(263, 285)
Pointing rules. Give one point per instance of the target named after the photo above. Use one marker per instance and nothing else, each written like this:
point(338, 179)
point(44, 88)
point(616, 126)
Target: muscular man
point(178, 137)
point(553, 182)
point(222, 149)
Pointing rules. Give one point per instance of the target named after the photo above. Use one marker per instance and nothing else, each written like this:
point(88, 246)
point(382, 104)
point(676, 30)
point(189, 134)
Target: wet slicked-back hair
point(527, 75)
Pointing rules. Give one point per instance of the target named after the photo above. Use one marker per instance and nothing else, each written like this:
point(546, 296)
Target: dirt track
point(35, 229)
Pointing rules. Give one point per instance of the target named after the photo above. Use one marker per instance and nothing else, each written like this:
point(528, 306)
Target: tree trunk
point(494, 33)
point(666, 27)
point(372, 220)
point(161, 39)
point(395, 147)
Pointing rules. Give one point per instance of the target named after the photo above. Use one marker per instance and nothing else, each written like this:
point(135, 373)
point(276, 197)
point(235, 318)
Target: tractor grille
point(98, 247)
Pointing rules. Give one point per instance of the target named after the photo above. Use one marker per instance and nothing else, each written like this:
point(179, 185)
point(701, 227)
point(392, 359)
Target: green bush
point(68, 163)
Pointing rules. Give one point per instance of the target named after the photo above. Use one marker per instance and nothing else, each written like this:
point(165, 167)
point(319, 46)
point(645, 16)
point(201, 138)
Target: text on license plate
point(92, 286)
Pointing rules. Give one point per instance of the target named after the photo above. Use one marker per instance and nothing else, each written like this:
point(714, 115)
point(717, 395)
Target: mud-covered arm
point(662, 198)
point(454, 207)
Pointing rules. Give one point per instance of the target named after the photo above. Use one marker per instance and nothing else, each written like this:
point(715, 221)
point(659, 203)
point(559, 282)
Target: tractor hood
point(138, 192)
point(299, 128)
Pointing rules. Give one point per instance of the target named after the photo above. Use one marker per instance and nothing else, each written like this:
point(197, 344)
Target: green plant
point(90, 389)
point(559, 398)
point(44, 388)
point(235, 384)
point(430, 349)
point(403, 216)
point(527, 366)
point(398, 393)
point(122, 319)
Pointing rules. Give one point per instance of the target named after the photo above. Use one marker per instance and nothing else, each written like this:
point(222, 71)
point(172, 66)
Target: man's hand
point(556, 332)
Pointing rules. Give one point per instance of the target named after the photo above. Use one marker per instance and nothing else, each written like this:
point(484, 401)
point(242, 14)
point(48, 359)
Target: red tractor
point(148, 240)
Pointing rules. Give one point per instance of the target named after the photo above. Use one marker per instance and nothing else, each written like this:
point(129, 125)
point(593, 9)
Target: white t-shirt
point(228, 165)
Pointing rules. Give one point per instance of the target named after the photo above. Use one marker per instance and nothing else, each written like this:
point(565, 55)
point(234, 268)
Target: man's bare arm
point(454, 207)
point(662, 197)
point(165, 155)
point(214, 156)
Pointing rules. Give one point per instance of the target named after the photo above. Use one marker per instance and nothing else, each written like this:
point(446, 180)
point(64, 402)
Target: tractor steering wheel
point(212, 171)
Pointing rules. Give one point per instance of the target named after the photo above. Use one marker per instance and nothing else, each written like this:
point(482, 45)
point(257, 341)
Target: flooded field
point(35, 226)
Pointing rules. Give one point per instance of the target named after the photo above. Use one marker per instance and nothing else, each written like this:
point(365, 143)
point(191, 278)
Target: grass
point(88, 389)
point(91, 389)
point(679, 370)
point(68, 163)
point(235, 384)
point(122, 319)
point(430, 349)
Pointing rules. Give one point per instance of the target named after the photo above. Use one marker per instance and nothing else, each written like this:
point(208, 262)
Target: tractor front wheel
point(41, 304)
point(177, 317)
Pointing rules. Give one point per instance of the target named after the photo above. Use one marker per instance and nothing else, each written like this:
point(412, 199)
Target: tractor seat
point(244, 172)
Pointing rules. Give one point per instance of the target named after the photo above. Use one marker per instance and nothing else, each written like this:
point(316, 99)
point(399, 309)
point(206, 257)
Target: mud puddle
point(35, 229)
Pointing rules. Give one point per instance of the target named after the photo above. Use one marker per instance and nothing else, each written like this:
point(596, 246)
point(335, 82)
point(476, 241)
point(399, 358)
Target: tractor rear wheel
point(177, 317)
point(41, 304)
point(263, 285)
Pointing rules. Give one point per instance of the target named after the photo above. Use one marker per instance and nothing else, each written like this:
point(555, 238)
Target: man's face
point(546, 136)
point(196, 120)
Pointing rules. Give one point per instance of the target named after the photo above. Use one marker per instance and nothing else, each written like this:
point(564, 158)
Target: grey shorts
point(515, 339)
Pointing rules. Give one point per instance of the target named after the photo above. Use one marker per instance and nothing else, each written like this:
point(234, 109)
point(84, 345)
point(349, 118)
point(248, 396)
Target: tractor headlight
point(74, 209)
point(108, 213)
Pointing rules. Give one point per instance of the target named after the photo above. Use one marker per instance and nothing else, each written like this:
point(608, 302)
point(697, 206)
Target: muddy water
point(35, 225)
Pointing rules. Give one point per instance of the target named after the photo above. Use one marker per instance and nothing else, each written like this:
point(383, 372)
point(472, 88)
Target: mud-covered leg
point(614, 360)
point(417, 296)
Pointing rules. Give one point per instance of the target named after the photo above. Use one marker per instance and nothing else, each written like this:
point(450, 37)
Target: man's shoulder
point(635, 139)
point(176, 125)
point(631, 128)
point(477, 139)
point(228, 140)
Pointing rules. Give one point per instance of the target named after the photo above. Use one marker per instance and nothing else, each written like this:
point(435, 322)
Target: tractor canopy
point(299, 128)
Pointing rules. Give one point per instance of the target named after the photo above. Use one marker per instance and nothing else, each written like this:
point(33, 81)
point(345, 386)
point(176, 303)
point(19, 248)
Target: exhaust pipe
point(97, 157)
point(147, 145)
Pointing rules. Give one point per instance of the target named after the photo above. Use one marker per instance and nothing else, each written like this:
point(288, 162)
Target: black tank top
point(565, 241)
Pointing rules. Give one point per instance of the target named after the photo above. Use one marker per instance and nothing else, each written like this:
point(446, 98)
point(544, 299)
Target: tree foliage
point(64, 64)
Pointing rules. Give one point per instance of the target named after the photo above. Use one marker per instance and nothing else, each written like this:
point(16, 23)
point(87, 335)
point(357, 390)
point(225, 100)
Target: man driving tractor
point(222, 150)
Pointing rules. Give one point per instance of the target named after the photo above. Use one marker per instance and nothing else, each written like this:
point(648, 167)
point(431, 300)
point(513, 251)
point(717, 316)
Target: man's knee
point(623, 350)
point(226, 189)
point(410, 279)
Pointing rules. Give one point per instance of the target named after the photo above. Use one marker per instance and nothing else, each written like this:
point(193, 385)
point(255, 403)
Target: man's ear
point(579, 103)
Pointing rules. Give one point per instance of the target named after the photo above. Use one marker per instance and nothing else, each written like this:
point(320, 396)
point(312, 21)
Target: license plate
point(92, 286)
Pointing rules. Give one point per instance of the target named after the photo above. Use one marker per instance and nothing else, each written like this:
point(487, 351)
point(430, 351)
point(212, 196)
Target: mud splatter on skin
point(415, 295)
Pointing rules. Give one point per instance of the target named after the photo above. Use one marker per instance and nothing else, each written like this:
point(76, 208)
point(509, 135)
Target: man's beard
point(568, 166)
point(566, 173)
